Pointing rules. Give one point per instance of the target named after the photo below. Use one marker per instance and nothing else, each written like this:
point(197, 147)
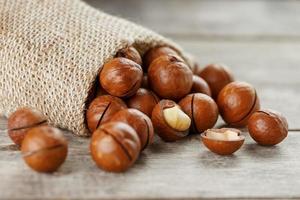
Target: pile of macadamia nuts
point(158, 92)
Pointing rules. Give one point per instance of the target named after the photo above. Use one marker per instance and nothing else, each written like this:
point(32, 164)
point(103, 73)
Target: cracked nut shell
point(144, 100)
point(102, 109)
point(268, 127)
point(115, 146)
point(223, 146)
point(21, 121)
point(172, 125)
point(237, 101)
point(217, 76)
point(140, 122)
point(202, 110)
point(44, 149)
point(200, 86)
point(170, 78)
point(130, 53)
point(121, 77)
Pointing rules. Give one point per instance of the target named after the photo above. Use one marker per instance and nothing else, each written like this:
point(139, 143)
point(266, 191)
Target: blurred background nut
point(44, 149)
point(144, 100)
point(115, 146)
point(237, 101)
point(102, 109)
point(121, 77)
point(202, 110)
point(170, 78)
point(200, 86)
point(21, 121)
point(140, 122)
point(268, 127)
point(169, 121)
point(217, 76)
point(130, 53)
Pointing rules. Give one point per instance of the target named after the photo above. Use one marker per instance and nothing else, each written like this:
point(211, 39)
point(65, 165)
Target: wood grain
point(211, 18)
point(180, 170)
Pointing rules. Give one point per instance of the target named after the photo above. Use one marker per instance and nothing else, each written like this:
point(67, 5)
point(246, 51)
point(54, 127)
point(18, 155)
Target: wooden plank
point(180, 170)
point(243, 19)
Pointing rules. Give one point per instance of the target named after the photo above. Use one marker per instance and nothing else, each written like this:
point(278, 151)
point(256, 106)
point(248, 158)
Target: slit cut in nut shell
point(224, 141)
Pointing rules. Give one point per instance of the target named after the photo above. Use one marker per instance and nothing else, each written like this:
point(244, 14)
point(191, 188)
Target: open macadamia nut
point(169, 121)
point(121, 77)
point(130, 53)
point(223, 141)
point(140, 122)
point(102, 109)
point(202, 110)
point(237, 101)
point(200, 86)
point(217, 76)
point(170, 78)
point(21, 121)
point(144, 100)
point(44, 149)
point(156, 52)
point(268, 127)
point(115, 146)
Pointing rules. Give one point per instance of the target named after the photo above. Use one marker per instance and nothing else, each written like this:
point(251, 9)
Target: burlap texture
point(51, 52)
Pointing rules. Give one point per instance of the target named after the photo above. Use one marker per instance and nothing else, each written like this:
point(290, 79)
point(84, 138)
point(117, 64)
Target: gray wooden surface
point(260, 42)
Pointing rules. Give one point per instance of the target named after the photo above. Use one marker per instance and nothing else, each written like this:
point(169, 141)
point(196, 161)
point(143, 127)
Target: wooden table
point(260, 41)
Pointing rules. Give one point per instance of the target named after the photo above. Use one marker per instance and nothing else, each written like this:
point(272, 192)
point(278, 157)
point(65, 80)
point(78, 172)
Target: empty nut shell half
point(169, 121)
point(268, 127)
point(223, 141)
point(237, 101)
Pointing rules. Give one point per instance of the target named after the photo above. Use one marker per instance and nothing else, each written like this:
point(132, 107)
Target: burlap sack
point(51, 52)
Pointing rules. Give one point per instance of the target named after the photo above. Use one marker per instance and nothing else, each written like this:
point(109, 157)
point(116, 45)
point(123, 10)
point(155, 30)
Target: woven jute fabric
point(51, 52)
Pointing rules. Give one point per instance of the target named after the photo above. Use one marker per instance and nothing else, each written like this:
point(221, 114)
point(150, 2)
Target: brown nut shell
point(156, 52)
point(237, 101)
point(200, 86)
point(217, 76)
point(268, 127)
point(144, 100)
point(223, 147)
point(170, 78)
point(202, 110)
point(121, 77)
point(115, 146)
point(44, 149)
point(21, 121)
point(161, 127)
point(140, 122)
point(130, 53)
point(102, 109)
